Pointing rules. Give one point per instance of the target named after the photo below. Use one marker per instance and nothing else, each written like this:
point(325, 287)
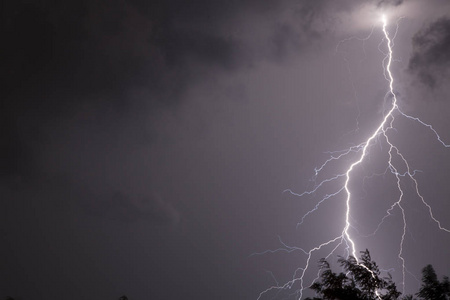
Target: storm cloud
point(430, 59)
point(390, 2)
point(145, 145)
point(60, 59)
point(101, 72)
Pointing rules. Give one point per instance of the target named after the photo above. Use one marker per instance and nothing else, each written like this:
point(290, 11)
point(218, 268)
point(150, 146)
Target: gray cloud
point(69, 69)
point(124, 119)
point(382, 3)
point(123, 208)
point(430, 59)
point(58, 58)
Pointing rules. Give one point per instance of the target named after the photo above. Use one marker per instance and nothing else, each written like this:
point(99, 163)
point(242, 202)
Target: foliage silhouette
point(432, 288)
point(361, 281)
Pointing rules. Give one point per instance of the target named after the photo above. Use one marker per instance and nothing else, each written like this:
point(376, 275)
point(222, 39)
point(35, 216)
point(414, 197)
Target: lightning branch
point(361, 152)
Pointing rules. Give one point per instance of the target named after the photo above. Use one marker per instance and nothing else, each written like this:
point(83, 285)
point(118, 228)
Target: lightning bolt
point(362, 149)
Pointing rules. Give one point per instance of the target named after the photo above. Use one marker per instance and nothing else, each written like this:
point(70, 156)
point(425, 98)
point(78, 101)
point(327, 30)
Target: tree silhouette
point(432, 288)
point(361, 281)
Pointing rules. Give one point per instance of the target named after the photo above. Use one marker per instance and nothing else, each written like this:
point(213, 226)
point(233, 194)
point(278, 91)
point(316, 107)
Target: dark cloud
point(283, 38)
point(97, 46)
point(307, 23)
point(121, 120)
point(382, 3)
point(430, 59)
point(58, 58)
point(69, 71)
point(85, 47)
point(123, 208)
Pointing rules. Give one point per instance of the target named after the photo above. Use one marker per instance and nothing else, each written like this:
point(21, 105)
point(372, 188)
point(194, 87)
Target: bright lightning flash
point(382, 131)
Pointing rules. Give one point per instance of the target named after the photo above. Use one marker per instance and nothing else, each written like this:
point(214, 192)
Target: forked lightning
point(345, 238)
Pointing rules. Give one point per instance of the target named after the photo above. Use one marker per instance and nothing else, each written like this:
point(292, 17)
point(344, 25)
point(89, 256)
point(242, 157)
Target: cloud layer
point(430, 60)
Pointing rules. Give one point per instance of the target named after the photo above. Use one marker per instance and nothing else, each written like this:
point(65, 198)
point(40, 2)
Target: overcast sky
point(146, 145)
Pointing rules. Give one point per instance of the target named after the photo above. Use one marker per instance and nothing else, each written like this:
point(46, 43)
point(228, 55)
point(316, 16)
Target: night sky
point(146, 145)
